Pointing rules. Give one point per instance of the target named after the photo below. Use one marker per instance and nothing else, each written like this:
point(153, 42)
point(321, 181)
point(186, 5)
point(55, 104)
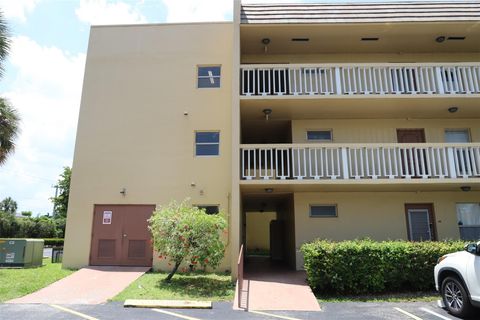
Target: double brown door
point(120, 235)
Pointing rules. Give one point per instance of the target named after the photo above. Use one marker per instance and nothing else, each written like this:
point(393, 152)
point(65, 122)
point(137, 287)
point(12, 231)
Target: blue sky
point(44, 75)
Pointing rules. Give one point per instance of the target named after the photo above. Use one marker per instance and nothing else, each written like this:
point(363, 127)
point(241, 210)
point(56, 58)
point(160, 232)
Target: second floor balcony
point(361, 162)
point(355, 80)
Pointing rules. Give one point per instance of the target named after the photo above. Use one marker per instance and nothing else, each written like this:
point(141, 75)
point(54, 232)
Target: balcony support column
point(451, 162)
point(438, 76)
point(344, 154)
point(338, 82)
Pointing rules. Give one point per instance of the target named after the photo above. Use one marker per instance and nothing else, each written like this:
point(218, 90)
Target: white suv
point(457, 277)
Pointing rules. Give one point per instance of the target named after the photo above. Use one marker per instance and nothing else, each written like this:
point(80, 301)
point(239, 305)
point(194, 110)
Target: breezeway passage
point(92, 285)
point(223, 310)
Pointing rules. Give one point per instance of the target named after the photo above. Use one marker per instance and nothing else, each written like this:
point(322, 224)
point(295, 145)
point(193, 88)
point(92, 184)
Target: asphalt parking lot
point(223, 310)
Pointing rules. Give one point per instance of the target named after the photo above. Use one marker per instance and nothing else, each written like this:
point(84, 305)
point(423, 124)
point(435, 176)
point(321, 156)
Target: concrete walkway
point(92, 285)
point(271, 287)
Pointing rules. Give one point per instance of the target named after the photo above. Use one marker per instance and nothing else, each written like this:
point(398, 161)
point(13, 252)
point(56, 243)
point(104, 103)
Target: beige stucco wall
point(382, 130)
point(377, 215)
point(360, 57)
point(258, 230)
point(132, 132)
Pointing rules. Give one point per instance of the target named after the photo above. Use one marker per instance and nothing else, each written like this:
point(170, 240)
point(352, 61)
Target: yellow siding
point(132, 132)
point(258, 230)
point(359, 57)
point(377, 215)
point(382, 130)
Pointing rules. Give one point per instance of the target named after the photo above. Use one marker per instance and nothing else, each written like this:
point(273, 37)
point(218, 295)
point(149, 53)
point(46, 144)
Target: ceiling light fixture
point(266, 42)
point(456, 38)
point(267, 113)
point(440, 39)
point(300, 39)
point(268, 190)
point(453, 109)
point(465, 188)
point(370, 39)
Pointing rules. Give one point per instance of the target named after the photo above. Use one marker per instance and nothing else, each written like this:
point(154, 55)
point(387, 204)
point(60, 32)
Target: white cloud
point(46, 91)
point(198, 10)
point(101, 12)
point(17, 9)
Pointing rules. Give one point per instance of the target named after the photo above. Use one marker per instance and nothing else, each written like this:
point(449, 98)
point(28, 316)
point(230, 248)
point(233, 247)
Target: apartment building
point(295, 121)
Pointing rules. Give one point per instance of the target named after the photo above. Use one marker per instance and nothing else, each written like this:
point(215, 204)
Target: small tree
point(8, 205)
point(60, 201)
point(183, 233)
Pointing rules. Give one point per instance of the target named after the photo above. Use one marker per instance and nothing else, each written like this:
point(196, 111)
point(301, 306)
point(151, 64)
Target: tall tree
point(60, 201)
point(8, 205)
point(9, 118)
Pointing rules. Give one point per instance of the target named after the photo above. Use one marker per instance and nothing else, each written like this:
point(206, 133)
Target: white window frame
point(323, 205)
point(208, 205)
point(319, 140)
point(219, 77)
point(195, 143)
point(457, 129)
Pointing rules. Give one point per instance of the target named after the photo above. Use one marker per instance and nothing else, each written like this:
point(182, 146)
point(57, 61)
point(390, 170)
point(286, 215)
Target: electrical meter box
point(21, 252)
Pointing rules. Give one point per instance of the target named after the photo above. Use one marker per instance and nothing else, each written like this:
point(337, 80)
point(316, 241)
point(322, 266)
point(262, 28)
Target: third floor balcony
point(304, 81)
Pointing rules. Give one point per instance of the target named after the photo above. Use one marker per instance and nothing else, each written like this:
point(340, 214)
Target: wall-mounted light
point(453, 109)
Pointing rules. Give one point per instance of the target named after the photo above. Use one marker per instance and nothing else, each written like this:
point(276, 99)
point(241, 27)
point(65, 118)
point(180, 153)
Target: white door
point(419, 225)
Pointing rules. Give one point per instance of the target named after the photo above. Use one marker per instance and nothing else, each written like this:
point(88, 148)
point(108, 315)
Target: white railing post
point(451, 162)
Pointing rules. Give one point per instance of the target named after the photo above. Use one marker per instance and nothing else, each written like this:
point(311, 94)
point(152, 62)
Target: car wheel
point(455, 297)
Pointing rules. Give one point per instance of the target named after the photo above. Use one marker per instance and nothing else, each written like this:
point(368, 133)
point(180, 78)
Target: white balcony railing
point(360, 161)
point(360, 79)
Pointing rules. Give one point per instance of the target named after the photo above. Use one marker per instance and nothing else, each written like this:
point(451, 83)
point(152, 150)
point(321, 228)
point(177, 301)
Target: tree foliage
point(9, 118)
point(8, 205)
point(60, 202)
point(183, 233)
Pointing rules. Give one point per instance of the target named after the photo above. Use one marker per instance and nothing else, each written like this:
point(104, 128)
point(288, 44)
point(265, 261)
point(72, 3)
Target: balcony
point(361, 162)
point(360, 80)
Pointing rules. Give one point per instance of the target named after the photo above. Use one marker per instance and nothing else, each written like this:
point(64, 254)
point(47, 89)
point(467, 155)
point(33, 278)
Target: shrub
point(366, 266)
point(184, 233)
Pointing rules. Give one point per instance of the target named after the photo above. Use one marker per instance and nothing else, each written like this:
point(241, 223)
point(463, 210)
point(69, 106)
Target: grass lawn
point(193, 286)
point(16, 283)
point(386, 297)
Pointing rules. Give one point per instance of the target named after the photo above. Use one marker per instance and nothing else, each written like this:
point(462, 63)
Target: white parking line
point(78, 314)
point(435, 314)
point(408, 314)
point(272, 315)
point(178, 315)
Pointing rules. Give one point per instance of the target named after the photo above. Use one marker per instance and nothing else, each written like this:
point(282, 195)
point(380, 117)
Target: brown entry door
point(420, 222)
point(410, 162)
point(120, 235)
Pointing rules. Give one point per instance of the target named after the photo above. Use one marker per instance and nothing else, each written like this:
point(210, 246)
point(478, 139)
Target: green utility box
point(21, 252)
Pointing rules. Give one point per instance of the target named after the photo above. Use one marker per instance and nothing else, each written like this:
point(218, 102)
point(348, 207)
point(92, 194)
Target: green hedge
point(53, 242)
point(366, 266)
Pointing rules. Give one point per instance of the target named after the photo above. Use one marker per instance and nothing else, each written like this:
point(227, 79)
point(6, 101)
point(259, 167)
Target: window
point(323, 210)
point(209, 209)
point(207, 143)
point(468, 219)
point(208, 77)
point(457, 135)
point(319, 135)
